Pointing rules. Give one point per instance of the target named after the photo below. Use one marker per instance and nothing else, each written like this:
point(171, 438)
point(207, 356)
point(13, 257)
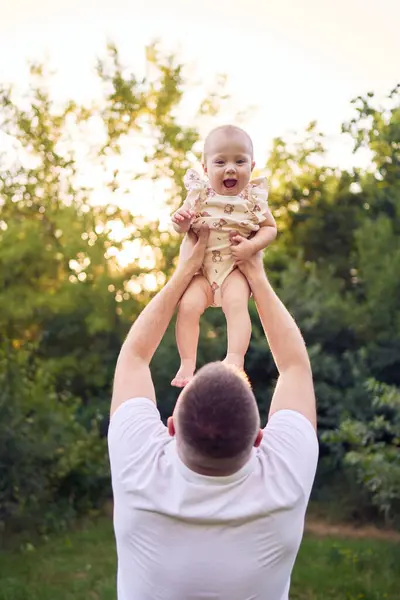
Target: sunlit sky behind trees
point(287, 62)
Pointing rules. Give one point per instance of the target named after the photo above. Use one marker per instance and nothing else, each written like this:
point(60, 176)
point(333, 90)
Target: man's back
point(181, 535)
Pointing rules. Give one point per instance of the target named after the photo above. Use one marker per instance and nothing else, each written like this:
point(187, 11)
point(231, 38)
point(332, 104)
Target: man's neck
point(211, 467)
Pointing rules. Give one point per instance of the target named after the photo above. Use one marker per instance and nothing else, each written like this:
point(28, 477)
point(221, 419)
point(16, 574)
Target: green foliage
point(65, 291)
point(373, 448)
point(52, 467)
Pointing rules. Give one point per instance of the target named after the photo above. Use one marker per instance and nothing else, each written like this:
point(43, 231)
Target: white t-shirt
point(185, 536)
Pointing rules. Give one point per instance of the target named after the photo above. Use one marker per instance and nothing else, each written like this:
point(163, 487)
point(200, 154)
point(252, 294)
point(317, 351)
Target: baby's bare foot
point(185, 374)
point(237, 360)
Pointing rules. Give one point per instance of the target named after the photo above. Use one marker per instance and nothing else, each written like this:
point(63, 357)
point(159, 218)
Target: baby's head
point(228, 159)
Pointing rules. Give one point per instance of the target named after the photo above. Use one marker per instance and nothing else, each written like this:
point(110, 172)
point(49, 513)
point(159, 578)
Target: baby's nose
point(230, 168)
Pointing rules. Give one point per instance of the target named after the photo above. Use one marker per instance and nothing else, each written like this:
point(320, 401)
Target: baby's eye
point(219, 162)
point(241, 161)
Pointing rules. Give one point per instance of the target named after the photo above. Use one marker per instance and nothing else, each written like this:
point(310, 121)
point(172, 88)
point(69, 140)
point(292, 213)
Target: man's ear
point(259, 438)
point(171, 426)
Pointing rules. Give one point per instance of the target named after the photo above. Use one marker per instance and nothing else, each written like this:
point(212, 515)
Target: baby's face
point(228, 162)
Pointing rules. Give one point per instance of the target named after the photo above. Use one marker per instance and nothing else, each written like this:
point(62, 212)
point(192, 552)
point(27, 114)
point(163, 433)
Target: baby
point(237, 214)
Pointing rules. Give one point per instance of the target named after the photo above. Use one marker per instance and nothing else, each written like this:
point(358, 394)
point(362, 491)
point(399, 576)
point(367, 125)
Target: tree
point(66, 301)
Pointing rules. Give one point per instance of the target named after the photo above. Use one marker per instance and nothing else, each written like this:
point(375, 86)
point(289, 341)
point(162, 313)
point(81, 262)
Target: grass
point(82, 566)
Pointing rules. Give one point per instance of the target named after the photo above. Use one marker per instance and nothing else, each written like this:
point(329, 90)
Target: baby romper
point(242, 213)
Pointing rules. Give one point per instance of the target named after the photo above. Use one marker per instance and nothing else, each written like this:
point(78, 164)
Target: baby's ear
point(253, 164)
point(204, 162)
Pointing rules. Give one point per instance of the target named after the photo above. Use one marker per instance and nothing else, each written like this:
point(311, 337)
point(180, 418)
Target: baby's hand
point(182, 218)
point(242, 249)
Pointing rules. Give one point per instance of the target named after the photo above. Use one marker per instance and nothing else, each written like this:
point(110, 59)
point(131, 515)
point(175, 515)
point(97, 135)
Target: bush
point(52, 468)
point(372, 449)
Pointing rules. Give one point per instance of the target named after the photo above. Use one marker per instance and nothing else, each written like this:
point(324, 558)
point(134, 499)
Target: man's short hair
point(218, 415)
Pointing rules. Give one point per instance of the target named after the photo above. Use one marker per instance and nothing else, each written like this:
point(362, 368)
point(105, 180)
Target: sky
point(293, 61)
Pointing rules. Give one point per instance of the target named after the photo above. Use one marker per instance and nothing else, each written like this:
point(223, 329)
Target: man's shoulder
point(137, 405)
point(289, 416)
point(290, 449)
point(135, 433)
point(289, 430)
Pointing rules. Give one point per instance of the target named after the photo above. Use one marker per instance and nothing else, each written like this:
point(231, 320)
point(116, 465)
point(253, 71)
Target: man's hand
point(242, 249)
point(252, 266)
point(182, 218)
point(191, 254)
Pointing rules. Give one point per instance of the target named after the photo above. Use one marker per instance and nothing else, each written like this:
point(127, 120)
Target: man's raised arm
point(294, 390)
point(132, 375)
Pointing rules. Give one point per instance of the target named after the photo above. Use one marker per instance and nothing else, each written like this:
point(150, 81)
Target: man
point(211, 507)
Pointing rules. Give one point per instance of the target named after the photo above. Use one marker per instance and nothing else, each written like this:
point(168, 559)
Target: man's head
point(228, 159)
point(216, 421)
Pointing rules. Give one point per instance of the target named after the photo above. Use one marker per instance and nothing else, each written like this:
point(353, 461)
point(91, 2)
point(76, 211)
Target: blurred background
point(103, 107)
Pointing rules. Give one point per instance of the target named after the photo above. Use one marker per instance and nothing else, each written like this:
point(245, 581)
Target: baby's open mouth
point(230, 183)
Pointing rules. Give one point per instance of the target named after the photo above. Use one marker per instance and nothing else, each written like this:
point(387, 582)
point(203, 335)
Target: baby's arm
point(265, 235)
point(182, 218)
point(242, 248)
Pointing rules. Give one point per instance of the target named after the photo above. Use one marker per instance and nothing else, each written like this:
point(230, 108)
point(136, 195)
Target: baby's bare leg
point(235, 295)
point(195, 300)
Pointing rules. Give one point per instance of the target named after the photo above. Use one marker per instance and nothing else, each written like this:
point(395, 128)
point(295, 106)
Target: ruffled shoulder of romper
point(198, 189)
point(258, 189)
point(193, 181)
point(256, 194)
